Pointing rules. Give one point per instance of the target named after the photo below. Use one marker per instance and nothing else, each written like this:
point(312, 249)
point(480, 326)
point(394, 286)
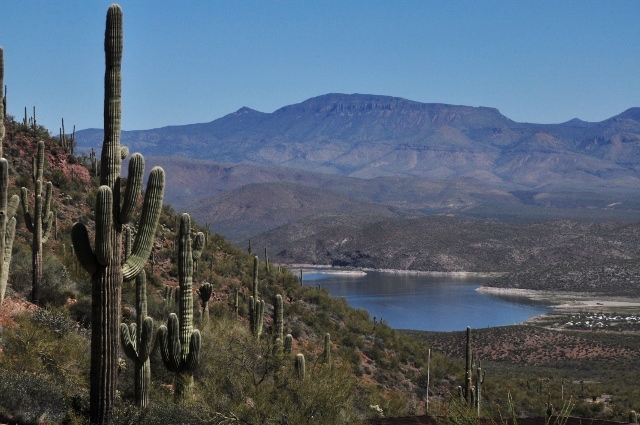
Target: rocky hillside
point(552, 255)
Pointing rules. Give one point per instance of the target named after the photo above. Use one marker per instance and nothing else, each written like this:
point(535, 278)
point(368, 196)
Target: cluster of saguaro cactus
point(68, 143)
point(170, 295)
point(136, 338)
point(39, 223)
point(205, 292)
point(472, 391)
point(179, 342)
point(256, 306)
point(114, 209)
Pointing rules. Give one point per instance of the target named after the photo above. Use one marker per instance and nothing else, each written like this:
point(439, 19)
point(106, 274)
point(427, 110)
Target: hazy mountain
point(305, 177)
point(370, 136)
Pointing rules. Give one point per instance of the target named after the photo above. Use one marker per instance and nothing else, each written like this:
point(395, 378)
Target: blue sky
point(195, 61)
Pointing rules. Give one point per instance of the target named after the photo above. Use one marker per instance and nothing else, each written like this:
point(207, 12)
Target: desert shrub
point(56, 282)
point(32, 398)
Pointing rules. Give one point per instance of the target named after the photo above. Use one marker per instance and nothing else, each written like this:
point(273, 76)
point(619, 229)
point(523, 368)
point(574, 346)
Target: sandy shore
point(565, 300)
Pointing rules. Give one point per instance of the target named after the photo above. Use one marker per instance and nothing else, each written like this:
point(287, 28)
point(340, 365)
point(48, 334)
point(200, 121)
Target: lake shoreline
point(315, 268)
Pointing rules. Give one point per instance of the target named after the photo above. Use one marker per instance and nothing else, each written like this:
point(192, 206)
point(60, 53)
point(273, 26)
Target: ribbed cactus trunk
point(3, 106)
point(326, 354)
point(179, 343)
point(7, 225)
point(112, 212)
point(278, 319)
point(40, 222)
point(7, 207)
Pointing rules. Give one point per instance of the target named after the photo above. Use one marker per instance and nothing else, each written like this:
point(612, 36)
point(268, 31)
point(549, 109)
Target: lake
point(427, 302)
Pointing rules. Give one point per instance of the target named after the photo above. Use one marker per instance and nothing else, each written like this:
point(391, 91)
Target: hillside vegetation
point(561, 255)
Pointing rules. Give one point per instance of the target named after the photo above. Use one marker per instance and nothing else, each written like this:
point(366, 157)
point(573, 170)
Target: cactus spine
point(205, 291)
point(113, 209)
point(136, 338)
point(300, 366)
point(40, 222)
point(179, 343)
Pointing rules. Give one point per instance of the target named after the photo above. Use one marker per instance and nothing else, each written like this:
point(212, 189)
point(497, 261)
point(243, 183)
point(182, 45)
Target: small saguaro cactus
point(205, 291)
point(179, 343)
point(113, 209)
point(278, 321)
point(7, 226)
point(136, 342)
point(136, 338)
point(326, 354)
point(255, 280)
point(633, 417)
point(480, 374)
point(468, 372)
point(288, 344)
point(39, 223)
point(300, 366)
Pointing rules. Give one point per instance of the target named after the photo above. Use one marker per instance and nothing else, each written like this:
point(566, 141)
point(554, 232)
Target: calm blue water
point(421, 302)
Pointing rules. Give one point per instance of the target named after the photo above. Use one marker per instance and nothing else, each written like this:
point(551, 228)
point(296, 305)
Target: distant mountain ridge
point(371, 136)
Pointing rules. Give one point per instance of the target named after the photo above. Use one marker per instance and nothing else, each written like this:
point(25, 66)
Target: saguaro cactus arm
point(151, 209)
point(82, 248)
point(134, 187)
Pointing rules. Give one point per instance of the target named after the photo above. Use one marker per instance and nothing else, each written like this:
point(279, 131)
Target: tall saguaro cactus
point(113, 210)
point(7, 225)
point(3, 103)
point(7, 209)
point(468, 372)
point(179, 343)
point(39, 223)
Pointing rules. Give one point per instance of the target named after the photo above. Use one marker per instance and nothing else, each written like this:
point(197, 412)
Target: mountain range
point(379, 157)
